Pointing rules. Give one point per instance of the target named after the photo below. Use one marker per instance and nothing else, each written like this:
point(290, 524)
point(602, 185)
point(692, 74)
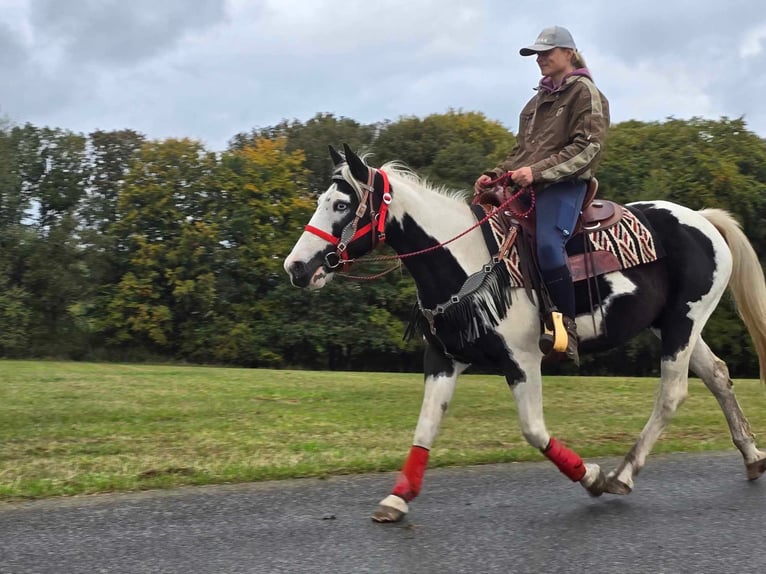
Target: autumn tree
point(311, 139)
point(167, 230)
point(263, 207)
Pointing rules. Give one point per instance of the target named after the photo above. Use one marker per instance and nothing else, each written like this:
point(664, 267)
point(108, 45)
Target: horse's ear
point(337, 159)
point(359, 169)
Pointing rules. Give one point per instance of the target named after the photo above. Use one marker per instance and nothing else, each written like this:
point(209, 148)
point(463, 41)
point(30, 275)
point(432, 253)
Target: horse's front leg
point(526, 386)
point(441, 374)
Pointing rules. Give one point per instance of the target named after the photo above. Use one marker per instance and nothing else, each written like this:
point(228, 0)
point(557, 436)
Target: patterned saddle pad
point(628, 243)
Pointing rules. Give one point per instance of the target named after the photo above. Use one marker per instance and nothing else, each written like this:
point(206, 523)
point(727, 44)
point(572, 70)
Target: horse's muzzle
point(299, 273)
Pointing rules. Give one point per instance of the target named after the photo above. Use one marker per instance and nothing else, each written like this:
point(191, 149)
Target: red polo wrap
point(410, 479)
point(567, 461)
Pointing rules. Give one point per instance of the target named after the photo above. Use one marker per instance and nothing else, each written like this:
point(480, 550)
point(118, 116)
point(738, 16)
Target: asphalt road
point(688, 513)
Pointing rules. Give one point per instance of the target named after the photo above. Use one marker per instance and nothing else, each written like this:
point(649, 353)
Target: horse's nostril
point(299, 274)
point(298, 269)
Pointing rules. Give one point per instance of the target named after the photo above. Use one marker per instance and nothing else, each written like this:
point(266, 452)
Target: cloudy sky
point(208, 69)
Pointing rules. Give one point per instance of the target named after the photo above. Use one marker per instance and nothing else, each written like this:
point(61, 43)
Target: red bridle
point(350, 233)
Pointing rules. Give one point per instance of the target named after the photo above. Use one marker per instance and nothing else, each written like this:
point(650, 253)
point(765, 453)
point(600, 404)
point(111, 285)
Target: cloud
point(13, 56)
point(752, 43)
point(226, 66)
point(116, 31)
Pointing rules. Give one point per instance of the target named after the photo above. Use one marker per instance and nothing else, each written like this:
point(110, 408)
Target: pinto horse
point(704, 252)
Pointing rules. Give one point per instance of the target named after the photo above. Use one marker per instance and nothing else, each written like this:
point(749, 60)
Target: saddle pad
point(630, 240)
point(629, 243)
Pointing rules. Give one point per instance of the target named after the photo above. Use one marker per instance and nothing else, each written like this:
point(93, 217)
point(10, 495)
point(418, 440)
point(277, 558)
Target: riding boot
point(572, 351)
point(561, 290)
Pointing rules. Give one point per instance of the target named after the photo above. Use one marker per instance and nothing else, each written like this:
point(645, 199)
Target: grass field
point(74, 428)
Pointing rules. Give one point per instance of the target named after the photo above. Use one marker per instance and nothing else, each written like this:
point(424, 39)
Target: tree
point(264, 206)
point(110, 157)
point(451, 149)
point(43, 179)
point(697, 163)
point(52, 167)
point(166, 227)
point(312, 139)
point(13, 203)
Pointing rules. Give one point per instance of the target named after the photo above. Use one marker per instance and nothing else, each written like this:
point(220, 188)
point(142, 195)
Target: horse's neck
point(422, 219)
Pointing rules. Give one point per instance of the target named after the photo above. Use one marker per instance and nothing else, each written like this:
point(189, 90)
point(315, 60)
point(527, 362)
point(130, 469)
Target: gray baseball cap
point(553, 37)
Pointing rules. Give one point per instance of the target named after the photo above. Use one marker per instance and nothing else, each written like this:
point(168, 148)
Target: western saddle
point(595, 213)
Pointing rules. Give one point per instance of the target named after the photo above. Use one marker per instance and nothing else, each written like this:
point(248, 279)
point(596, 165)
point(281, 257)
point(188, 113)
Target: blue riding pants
point(557, 208)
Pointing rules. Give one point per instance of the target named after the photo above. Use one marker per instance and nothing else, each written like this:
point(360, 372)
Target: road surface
point(689, 513)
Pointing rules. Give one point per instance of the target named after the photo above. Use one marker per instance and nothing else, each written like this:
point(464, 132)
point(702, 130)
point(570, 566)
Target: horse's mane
point(398, 171)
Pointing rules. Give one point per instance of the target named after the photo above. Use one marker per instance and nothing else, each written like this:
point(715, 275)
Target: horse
point(434, 232)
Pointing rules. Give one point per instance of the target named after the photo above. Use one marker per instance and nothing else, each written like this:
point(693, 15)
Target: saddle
point(596, 215)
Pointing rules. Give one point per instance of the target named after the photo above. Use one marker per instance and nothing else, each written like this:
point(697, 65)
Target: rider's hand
point(482, 183)
point(522, 176)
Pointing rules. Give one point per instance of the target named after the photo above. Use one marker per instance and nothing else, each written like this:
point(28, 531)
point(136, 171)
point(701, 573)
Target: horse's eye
point(341, 206)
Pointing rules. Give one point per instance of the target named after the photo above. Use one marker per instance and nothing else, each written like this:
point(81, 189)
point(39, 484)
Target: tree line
point(117, 247)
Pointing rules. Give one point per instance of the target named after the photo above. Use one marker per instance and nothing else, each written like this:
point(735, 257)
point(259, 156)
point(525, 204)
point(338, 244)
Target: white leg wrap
point(394, 501)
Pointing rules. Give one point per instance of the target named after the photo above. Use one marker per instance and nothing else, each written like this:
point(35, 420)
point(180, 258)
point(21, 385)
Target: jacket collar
point(547, 86)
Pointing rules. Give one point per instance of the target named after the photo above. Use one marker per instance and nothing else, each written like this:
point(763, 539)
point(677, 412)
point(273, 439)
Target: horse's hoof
point(594, 480)
point(615, 486)
point(387, 514)
point(391, 509)
point(756, 469)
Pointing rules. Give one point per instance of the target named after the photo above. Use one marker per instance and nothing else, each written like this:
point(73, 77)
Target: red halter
point(350, 233)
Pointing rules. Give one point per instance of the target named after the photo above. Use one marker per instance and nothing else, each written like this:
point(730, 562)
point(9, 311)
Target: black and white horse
point(705, 251)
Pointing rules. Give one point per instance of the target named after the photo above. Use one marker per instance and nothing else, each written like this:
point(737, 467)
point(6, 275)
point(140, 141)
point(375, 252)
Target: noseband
point(350, 233)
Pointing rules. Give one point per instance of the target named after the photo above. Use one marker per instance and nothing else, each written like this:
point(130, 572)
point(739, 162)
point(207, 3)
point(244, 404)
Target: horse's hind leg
point(715, 375)
point(672, 392)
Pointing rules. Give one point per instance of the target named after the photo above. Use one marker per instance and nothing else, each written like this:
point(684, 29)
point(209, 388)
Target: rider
point(558, 146)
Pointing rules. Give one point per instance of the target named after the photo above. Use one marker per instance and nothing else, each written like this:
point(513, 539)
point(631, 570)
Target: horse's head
point(347, 224)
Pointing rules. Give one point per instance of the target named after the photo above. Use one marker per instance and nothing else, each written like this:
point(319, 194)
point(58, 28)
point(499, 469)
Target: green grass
point(74, 428)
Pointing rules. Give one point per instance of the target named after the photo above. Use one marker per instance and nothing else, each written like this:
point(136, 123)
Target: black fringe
point(475, 315)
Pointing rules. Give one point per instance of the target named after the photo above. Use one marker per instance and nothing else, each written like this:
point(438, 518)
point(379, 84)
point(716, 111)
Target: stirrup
point(554, 337)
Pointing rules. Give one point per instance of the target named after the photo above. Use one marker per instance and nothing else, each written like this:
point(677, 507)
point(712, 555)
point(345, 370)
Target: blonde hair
point(577, 60)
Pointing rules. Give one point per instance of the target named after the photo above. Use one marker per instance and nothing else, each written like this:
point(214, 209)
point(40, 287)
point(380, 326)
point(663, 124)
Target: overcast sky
point(208, 69)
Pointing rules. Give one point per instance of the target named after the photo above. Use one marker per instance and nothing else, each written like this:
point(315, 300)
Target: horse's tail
point(747, 281)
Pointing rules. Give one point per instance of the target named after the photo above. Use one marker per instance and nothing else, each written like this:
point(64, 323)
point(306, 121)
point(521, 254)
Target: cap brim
point(534, 49)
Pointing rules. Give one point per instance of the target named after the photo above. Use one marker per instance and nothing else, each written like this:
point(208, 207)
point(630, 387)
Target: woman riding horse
point(558, 146)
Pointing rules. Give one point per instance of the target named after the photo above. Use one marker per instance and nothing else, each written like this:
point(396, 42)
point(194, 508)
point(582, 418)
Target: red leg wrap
point(567, 461)
point(411, 477)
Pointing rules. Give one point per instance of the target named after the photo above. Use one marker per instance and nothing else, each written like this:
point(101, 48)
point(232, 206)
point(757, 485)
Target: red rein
point(504, 181)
